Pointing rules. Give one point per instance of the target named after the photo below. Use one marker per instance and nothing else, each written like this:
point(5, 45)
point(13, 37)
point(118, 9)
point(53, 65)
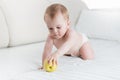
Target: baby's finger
point(53, 62)
point(56, 62)
point(40, 68)
point(50, 60)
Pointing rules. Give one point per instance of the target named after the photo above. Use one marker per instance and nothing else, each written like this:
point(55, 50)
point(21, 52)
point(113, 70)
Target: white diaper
point(84, 40)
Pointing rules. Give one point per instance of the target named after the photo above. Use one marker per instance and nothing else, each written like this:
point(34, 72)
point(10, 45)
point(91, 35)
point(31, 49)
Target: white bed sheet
point(23, 64)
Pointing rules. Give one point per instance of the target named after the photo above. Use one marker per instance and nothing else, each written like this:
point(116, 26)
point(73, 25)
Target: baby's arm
point(62, 50)
point(47, 48)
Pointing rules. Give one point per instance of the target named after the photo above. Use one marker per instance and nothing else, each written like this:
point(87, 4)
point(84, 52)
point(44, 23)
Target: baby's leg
point(86, 52)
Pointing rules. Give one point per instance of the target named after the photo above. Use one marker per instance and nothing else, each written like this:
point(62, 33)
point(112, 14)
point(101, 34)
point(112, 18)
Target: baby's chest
point(59, 43)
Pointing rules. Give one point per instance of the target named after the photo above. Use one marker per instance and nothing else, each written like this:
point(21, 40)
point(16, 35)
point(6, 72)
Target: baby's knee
point(87, 57)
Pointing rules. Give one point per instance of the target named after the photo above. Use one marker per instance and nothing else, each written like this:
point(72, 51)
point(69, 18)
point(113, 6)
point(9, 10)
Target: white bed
point(23, 64)
point(21, 22)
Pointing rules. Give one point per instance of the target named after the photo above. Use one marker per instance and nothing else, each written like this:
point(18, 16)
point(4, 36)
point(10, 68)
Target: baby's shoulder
point(73, 32)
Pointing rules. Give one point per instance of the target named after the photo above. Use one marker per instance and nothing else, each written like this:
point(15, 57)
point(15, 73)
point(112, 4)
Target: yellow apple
point(49, 67)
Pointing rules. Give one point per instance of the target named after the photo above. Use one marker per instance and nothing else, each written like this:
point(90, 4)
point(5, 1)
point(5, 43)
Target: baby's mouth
point(56, 35)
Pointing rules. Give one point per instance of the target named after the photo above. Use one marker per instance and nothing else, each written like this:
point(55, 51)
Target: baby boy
point(66, 40)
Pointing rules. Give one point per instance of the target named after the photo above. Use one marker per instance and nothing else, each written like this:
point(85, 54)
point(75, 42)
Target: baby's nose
point(55, 31)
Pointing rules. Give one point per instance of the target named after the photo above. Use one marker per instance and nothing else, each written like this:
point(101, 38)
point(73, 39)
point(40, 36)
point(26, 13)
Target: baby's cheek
point(62, 33)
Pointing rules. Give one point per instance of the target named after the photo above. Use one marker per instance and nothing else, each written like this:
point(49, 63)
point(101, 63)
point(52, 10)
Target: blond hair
point(53, 9)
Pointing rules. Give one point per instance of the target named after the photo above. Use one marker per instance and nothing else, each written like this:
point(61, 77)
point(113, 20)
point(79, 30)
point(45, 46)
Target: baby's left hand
point(53, 58)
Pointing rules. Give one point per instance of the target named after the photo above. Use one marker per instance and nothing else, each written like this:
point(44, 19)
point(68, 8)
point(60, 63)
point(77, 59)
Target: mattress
point(24, 61)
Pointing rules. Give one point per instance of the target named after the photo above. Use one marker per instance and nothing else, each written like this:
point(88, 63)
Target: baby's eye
point(50, 28)
point(58, 27)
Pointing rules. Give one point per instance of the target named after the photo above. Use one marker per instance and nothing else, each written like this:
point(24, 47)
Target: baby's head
point(57, 20)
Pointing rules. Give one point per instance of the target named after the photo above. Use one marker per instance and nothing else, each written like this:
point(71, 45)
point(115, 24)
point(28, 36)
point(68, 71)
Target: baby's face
point(57, 26)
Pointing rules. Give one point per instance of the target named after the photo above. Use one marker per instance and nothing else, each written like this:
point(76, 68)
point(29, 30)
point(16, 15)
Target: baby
point(66, 40)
